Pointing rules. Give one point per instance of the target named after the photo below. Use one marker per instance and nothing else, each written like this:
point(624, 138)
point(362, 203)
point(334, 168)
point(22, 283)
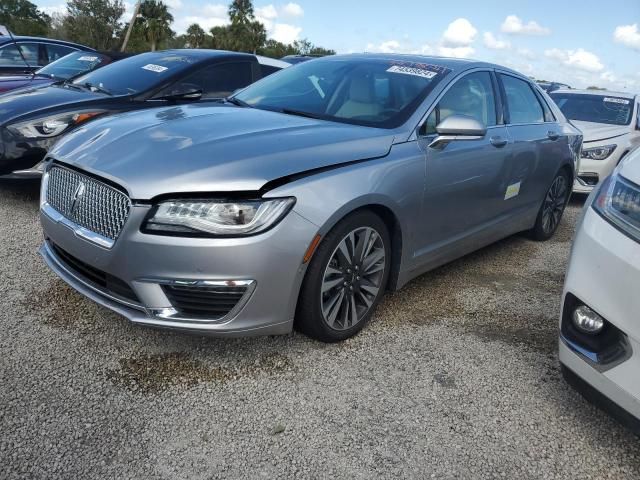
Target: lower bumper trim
point(601, 401)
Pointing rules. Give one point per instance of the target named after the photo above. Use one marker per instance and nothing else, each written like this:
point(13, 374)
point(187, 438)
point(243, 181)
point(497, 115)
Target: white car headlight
point(49, 127)
point(598, 153)
point(216, 217)
point(618, 201)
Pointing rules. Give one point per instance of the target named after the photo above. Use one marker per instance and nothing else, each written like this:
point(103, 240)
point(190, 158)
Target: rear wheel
point(346, 278)
point(552, 208)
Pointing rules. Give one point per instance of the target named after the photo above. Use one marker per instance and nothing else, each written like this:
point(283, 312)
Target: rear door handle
point(498, 141)
point(553, 135)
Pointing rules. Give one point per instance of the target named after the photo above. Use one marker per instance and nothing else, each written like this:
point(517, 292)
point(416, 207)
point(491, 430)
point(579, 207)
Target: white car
point(610, 123)
point(600, 320)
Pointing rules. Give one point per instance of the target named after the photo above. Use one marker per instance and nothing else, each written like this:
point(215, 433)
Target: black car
point(36, 52)
point(32, 119)
point(552, 86)
point(65, 68)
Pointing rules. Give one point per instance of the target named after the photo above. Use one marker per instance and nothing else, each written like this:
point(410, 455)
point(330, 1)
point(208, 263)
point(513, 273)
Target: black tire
point(310, 318)
point(553, 205)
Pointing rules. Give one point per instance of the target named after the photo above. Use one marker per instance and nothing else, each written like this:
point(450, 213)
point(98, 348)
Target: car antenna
point(5, 31)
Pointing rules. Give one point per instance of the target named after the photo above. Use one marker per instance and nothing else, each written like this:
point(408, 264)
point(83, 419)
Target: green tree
point(241, 12)
point(23, 18)
point(221, 38)
point(156, 22)
point(95, 23)
point(274, 49)
point(196, 36)
point(246, 34)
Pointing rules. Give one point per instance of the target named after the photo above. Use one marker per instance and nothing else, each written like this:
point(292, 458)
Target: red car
point(65, 68)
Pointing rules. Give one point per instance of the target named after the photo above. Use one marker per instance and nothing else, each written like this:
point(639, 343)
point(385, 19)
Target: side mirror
point(458, 127)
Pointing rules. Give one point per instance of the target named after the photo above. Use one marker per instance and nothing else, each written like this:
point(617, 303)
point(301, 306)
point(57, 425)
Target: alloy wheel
point(352, 279)
point(554, 204)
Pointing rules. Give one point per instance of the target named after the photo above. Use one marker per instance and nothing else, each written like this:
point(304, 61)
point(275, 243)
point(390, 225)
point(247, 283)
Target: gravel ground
point(456, 377)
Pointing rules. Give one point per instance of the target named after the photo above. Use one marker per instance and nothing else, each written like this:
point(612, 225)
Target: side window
point(32, 53)
point(267, 70)
point(522, 103)
point(215, 81)
point(54, 52)
point(10, 56)
point(472, 96)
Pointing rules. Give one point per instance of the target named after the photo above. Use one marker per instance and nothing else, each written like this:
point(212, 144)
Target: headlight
point(53, 126)
point(598, 153)
point(618, 201)
point(216, 217)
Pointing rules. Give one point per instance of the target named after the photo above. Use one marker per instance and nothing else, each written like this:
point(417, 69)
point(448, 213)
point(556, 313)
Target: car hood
point(600, 131)
point(11, 83)
point(213, 148)
point(16, 104)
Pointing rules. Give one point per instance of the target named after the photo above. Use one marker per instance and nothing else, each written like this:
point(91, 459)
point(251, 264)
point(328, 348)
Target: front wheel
point(346, 278)
point(552, 208)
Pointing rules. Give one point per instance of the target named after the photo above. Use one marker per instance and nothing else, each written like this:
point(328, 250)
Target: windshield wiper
point(289, 111)
point(237, 102)
point(97, 88)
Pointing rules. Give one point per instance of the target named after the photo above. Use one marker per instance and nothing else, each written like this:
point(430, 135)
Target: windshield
point(72, 65)
point(595, 108)
point(137, 74)
point(369, 92)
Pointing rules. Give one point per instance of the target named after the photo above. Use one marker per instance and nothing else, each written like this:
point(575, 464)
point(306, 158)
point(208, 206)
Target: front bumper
point(20, 158)
point(270, 263)
point(592, 172)
point(604, 272)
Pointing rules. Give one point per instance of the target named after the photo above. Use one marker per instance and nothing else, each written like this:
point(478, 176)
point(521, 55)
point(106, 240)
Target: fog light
point(587, 321)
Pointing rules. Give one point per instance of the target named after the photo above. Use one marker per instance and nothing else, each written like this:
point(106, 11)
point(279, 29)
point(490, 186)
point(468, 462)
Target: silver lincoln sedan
point(300, 200)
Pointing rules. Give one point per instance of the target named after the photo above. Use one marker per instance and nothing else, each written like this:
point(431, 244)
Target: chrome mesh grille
point(87, 202)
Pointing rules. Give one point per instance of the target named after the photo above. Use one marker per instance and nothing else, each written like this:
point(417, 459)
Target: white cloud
point(292, 10)
point(515, 26)
point(459, 33)
point(490, 41)
point(207, 16)
point(285, 33)
point(456, 52)
point(608, 76)
point(268, 11)
point(580, 59)
point(174, 4)
point(628, 35)
point(216, 10)
point(390, 46)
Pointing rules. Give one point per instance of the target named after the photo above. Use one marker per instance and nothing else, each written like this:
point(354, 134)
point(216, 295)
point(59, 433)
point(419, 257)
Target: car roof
point(203, 52)
point(272, 62)
point(602, 93)
point(23, 38)
point(454, 64)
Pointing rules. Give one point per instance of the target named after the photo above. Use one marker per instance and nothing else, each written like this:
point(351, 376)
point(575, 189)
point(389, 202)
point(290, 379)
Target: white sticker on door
point(513, 190)
point(155, 68)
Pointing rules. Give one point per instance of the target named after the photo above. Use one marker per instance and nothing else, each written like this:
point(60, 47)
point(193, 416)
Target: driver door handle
point(498, 141)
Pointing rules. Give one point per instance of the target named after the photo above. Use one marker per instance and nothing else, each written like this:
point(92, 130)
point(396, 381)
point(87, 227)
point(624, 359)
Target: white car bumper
point(592, 172)
point(604, 274)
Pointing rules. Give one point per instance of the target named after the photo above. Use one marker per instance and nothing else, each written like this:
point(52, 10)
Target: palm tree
point(156, 21)
point(195, 36)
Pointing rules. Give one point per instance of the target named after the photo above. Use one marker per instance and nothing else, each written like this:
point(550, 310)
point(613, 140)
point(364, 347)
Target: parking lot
point(456, 377)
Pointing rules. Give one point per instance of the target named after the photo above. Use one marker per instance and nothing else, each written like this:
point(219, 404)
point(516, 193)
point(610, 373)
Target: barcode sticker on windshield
point(616, 100)
point(419, 72)
point(87, 59)
point(155, 68)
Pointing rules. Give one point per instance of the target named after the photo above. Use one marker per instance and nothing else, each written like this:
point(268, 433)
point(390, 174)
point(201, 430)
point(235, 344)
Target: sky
point(582, 43)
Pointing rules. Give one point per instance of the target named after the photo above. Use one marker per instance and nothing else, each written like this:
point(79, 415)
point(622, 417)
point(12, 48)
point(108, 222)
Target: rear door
point(537, 144)
point(463, 179)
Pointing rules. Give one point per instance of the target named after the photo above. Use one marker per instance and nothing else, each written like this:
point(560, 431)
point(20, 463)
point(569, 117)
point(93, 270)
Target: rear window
point(606, 109)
